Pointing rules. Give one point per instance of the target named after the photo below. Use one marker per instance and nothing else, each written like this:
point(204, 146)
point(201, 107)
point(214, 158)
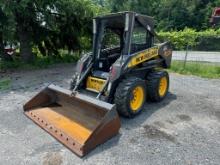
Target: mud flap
point(79, 122)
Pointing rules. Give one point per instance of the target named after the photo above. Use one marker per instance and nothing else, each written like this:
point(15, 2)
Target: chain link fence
point(202, 59)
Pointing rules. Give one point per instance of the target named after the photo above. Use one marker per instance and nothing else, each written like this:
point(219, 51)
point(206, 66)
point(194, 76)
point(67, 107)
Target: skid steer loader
point(124, 69)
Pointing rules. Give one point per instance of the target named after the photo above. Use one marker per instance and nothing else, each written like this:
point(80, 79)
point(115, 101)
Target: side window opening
point(110, 49)
point(110, 39)
point(139, 36)
point(141, 39)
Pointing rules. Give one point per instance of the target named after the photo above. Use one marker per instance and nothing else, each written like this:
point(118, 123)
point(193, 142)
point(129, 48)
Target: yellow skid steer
point(124, 68)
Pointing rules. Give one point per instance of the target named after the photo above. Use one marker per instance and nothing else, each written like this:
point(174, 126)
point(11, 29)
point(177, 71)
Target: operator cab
point(116, 35)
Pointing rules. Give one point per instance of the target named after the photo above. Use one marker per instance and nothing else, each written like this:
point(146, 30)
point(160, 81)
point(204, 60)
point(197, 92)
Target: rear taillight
point(81, 67)
point(112, 71)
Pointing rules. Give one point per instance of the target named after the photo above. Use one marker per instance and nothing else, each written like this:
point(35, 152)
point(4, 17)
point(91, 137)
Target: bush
point(205, 40)
point(208, 44)
point(39, 62)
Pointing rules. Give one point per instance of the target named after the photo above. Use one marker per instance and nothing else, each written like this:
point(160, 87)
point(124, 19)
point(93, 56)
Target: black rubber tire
point(73, 81)
point(123, 95)
point(153, 84)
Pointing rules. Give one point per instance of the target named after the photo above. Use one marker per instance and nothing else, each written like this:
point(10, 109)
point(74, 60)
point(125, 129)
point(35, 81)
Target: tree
point(170, 14)
point(6, 27)
point(49, 25)
point(2, 23)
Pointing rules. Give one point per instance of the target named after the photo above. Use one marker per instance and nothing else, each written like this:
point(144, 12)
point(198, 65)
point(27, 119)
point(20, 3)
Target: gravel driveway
point(182, 129)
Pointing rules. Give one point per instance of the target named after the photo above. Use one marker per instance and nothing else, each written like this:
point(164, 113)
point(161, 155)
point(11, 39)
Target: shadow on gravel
point(217, 115)
point(149, 109)
point(104, 147)
point(128, 124)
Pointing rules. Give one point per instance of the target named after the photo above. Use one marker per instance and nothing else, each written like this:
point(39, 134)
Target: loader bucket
point(79, 122)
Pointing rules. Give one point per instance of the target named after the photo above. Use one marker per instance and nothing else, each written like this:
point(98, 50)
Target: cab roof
point(117, 20)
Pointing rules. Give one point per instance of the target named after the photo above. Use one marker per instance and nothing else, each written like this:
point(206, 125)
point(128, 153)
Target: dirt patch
point(184, 117)
point(169, 121)
point(53, 159)
point(47, 147)
point(160, 124)
point(217, 115)
point(153, 132)
point(133, 140)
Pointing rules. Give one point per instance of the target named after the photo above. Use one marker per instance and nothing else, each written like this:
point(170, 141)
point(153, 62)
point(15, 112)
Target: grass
point(39, 62)
point(206, 70)
point(5, 84)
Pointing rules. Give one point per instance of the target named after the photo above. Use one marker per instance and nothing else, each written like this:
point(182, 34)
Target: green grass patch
point(5, 83)
point(206, 70)
point(39, 62)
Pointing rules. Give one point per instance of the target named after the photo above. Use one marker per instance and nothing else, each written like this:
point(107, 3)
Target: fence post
point(185, 60)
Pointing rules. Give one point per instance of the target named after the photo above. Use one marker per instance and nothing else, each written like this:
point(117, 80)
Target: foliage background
point(199, 40)
point(57, 28)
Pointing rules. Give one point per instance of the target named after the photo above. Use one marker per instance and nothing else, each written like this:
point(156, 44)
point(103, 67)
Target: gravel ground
point(182, 129)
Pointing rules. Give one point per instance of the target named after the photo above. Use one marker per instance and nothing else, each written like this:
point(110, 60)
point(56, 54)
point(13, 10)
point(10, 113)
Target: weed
point(5, 83)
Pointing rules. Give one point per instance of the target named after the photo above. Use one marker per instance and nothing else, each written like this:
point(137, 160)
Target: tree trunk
point(1, 44)
point(25, 45)
point(3, 54)
point(23, 30)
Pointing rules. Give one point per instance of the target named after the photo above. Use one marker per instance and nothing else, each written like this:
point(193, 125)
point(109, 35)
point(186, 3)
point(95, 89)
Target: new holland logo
point(143, 56)
point(97, 81)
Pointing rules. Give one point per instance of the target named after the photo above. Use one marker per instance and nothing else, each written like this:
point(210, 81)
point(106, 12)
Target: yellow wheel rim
point(137, 99)
point(163, 86)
